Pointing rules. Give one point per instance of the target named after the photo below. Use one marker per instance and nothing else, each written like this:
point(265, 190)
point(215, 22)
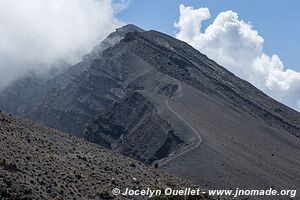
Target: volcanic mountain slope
point(68, 98)
point(216, 129)
point(43, 163)
point(249, 140)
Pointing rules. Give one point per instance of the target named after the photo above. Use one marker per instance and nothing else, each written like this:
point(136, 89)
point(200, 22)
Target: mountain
point(43, 163)
point(157, 99)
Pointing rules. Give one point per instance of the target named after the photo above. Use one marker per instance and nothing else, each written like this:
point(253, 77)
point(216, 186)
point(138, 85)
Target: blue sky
point(276, 21)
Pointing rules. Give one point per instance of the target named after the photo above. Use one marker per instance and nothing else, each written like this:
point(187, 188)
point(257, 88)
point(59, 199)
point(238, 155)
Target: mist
point(35, 34)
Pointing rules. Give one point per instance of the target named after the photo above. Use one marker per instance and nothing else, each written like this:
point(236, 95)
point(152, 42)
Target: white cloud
point(36, 33)
point(191, 20)
point(235, 45)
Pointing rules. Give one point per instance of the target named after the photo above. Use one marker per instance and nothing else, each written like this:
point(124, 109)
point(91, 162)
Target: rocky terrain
point(142, 128)
point(43, 163)
point(157, 99)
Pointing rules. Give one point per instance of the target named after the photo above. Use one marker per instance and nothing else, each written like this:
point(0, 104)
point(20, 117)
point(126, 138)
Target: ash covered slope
point(43, 163)
point(248, 139)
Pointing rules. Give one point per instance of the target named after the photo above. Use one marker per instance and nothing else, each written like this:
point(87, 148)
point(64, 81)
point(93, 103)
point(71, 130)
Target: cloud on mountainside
point(235, 45)
point(38, 33)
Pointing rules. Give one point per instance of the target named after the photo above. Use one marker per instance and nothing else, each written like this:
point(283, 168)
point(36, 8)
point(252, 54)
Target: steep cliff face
point(134, 127)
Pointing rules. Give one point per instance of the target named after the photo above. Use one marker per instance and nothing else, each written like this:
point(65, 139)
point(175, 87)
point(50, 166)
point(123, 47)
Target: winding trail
point(196, 143)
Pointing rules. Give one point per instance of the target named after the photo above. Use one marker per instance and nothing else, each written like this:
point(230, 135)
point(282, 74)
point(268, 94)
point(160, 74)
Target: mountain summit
point(158, 100)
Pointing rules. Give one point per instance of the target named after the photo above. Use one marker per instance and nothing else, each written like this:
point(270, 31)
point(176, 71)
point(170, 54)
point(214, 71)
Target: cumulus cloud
point(235, 45)
point(37, 33)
